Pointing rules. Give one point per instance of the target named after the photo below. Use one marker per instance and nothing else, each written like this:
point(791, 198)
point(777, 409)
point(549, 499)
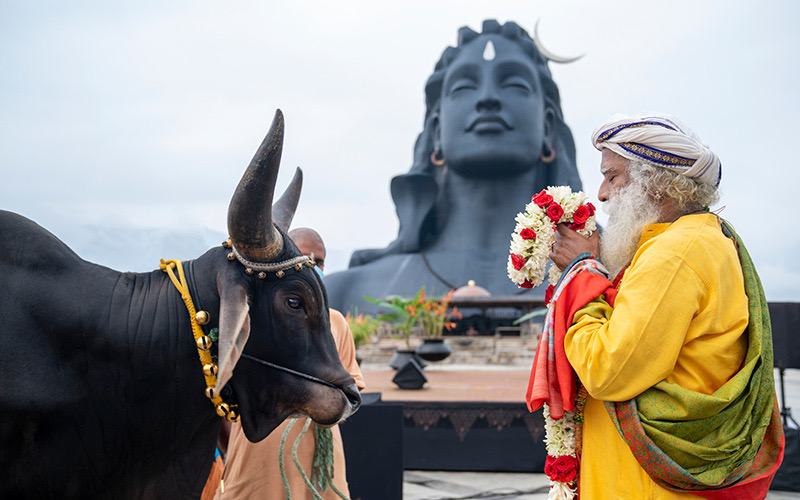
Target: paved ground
point(496, 383)
point(427, 485)
point(493, 383)
point(453, 383)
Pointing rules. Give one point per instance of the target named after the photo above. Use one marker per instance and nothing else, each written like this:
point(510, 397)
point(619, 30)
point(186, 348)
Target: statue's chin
point(493, 163)
point(492, 169)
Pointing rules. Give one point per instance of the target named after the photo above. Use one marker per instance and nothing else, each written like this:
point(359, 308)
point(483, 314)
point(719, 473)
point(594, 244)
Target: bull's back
point(26, 244)
point(41, 376)
point(37, 304)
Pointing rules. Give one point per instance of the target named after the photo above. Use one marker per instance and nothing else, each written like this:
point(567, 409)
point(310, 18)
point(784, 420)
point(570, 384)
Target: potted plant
point(403, 314)
point(363, 327)
point(435, 317)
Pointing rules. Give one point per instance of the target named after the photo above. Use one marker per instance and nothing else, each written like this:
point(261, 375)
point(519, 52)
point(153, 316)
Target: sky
point(125, 126)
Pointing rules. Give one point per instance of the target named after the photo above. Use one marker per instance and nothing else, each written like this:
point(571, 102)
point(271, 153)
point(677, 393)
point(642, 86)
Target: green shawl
point(693, 442)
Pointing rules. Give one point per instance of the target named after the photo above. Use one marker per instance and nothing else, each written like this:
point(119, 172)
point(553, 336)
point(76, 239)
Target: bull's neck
point(149, 318)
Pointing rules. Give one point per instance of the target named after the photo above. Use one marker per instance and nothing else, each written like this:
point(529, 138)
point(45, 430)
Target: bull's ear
point(234, 329)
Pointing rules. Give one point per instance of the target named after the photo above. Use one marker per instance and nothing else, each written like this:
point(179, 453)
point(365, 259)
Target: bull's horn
point(250, 211)
point(546, 53)
point(283, 210)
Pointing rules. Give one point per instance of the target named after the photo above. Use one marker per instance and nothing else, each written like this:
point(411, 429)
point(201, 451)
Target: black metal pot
point(401, 357)
point(434, 349)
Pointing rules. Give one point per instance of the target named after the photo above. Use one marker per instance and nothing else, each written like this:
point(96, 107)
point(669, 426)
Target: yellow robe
point(252, 469)
point(679, 316)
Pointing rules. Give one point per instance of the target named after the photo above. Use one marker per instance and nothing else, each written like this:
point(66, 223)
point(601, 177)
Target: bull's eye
point(294, 303)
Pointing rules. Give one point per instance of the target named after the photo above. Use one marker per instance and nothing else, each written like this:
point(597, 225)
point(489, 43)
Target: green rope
point(322, 473)
point(314, 493)
point(280, 461)
point(322, 468)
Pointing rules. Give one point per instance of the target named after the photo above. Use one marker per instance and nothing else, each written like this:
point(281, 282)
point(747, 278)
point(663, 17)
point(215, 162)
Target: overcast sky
point(125, 127)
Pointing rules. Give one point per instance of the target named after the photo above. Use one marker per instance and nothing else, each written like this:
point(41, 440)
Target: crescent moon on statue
point(546, 53)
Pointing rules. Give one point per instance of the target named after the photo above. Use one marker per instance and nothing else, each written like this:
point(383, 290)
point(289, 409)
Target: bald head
point(309, 241)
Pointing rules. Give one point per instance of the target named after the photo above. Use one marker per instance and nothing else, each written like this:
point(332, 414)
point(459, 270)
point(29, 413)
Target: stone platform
point(497, 350)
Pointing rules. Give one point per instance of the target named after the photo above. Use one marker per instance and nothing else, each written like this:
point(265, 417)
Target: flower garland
point(531, 242)
point(561, 464)
point(534, 234)
point(563, 440)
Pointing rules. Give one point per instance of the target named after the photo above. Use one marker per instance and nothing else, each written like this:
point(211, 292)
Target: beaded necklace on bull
point(228, 411)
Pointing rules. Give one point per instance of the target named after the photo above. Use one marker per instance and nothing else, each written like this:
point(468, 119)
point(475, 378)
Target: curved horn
point(250, 211)
point(546, 53)
point(283, 210)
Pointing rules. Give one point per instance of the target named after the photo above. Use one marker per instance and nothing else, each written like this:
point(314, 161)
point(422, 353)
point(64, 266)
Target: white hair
point(689, 194)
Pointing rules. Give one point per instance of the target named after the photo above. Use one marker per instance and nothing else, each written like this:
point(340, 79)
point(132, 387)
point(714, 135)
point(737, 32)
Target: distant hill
point(137, 249)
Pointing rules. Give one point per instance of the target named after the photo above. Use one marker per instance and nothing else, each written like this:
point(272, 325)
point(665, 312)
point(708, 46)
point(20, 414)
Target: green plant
point(362, 326)
point(403, 313)
point(434, 315)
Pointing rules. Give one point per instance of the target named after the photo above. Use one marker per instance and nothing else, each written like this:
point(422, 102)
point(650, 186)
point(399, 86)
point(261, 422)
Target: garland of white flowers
point(531, 242)
point(560, 442)
point(534, 233)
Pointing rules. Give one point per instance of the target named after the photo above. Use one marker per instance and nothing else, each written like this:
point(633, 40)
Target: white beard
point(630, 209)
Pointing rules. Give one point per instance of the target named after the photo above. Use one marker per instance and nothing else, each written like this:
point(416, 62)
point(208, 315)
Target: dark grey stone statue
point(493, 136)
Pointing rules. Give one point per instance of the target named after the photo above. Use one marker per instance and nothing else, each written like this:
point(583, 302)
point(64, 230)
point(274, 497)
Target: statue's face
point(492, 115)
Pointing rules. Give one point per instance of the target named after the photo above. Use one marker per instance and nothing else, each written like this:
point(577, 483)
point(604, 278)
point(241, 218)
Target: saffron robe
point(252, 469)
point(679, 316)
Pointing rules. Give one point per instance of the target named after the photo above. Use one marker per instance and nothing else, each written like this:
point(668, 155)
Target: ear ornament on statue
point(437, 159)
point(548, 154)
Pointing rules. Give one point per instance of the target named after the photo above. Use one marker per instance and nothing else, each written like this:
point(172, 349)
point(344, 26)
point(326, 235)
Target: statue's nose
point(489, 103)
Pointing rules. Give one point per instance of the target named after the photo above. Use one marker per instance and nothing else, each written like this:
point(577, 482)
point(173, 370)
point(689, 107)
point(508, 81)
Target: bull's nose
point(353, 396)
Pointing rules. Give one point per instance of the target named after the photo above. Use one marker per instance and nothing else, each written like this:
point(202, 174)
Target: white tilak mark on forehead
point(488, 51)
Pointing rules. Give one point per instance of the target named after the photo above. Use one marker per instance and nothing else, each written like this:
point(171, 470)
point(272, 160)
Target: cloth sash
point(552, 379)
point(730, 444)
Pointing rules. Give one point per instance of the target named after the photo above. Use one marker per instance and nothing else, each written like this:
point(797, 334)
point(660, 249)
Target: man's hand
point(569, 244)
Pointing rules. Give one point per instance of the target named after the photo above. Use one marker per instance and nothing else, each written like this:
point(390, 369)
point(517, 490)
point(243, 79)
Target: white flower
point(537, 250)
point(560, 440)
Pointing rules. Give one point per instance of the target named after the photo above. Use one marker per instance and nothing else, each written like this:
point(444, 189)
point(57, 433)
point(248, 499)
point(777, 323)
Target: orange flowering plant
point(434, 315)
point(362, 326)
point(403, 313)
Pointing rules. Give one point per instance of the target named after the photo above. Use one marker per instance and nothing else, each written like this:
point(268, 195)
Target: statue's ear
point(437, 130)
point(234, 328)
point(549, 125)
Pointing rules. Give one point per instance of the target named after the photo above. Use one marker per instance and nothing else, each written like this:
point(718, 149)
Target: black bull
point(101, 389)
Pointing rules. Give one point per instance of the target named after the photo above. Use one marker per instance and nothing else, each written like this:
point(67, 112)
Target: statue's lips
point(488, 124)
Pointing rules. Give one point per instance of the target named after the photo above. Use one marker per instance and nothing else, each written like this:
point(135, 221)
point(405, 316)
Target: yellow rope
point(180, 284)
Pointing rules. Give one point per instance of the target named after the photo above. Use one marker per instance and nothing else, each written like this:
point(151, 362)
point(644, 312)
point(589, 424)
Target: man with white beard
point(629, 212)
point(673, 346)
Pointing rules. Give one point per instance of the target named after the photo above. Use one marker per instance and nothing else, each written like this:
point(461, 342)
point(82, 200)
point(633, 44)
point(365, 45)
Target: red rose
point(548, 294)
point(563, 469)
point(517, 261)
point(575, 226)
point(591, 208)
point(526, 284)
point(542, 198)
point(581, 214)
point(554, 211)
point(527, 234)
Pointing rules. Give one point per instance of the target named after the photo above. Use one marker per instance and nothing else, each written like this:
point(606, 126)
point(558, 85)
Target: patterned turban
point(662, 141)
